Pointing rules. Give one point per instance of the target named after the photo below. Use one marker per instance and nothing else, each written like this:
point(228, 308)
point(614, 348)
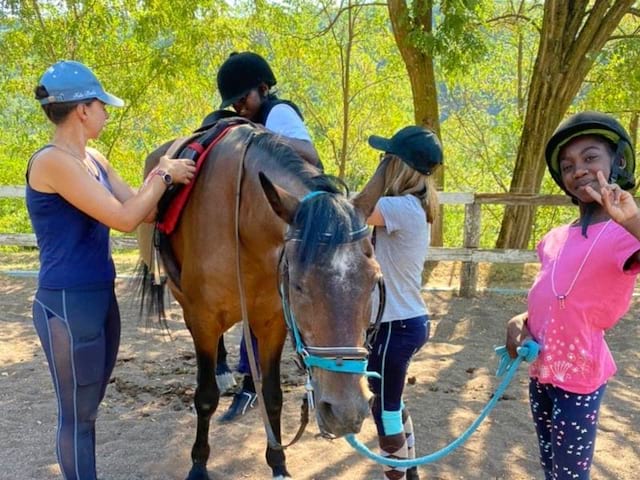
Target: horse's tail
point(152, 294)
point(148, 284)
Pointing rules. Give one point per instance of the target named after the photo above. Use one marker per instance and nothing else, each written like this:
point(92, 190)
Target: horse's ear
point(366, 200)
point(282, 202)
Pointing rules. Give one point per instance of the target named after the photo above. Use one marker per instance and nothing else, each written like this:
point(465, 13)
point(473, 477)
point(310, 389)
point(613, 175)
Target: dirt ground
point(146, 424)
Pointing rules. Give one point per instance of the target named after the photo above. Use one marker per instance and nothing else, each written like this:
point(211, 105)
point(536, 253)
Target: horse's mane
point(290, 161)
point(323, 222)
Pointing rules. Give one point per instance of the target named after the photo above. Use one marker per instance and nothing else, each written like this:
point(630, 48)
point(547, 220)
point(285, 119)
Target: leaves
point(337, 60)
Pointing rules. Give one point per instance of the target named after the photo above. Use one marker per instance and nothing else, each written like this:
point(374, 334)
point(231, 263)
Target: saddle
point(195, 147)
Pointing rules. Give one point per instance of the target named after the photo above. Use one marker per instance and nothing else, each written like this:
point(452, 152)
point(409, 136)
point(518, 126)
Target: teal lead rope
point(507, 368)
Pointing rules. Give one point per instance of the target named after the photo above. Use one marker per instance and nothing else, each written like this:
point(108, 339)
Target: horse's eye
point(297, 287)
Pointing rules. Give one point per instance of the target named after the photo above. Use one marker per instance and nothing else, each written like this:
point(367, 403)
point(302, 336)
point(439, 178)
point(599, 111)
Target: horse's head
point(328, 273)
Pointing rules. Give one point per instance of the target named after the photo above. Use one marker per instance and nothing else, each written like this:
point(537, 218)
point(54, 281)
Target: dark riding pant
point(243, 364)
point(390, 354)
point(566, 424)
point(79, 330)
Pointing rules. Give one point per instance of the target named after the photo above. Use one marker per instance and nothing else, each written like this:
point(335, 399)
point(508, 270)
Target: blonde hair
point(401, 179)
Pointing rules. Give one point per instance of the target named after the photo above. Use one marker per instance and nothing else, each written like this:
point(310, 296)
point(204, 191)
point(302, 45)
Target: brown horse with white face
point(311, 245)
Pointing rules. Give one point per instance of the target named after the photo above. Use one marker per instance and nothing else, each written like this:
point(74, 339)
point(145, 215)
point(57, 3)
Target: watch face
point(165, 176)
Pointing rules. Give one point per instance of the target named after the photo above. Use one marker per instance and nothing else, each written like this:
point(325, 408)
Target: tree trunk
point(421, 75)
point(573, 33)
point(345, 64)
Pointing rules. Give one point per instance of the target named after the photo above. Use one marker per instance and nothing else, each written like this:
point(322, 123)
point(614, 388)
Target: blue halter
point(335, 359)
point(352, 360)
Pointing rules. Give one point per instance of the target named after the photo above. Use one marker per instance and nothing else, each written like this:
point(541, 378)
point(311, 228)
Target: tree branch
point(515, 16)
point(623, 37)
point(335, 19)
point(43, 27)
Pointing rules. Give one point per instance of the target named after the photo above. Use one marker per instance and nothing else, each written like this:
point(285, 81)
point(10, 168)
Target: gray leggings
point(80, 333)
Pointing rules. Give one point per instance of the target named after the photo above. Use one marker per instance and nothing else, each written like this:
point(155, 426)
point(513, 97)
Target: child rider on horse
point(245, 81)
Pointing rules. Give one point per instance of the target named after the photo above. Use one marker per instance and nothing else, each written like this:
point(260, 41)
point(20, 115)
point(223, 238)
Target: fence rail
point(469, 254)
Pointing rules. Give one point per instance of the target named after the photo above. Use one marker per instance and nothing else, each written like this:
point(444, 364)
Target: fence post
point(469, 270)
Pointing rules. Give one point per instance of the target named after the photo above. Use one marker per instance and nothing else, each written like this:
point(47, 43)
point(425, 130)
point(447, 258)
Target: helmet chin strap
point(617, 169)
point(589, 209)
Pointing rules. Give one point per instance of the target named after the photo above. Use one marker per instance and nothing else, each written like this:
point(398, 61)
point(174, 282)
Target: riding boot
point(248, 385)
point(412, 472)
point(394, 446)
point(242, 402)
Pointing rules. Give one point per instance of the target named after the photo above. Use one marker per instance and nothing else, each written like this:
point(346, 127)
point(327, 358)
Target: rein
point(246, 329)
point(507, 368)
point(350, 360)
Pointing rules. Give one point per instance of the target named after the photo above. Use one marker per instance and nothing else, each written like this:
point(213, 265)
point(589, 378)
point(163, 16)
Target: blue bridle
point(352, 360)
point(335, 359)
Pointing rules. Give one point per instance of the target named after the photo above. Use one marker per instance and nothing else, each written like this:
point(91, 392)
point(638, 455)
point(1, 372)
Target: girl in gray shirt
point(401, 221)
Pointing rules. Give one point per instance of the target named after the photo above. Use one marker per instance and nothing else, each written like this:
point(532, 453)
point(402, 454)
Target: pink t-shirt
point(574, 354)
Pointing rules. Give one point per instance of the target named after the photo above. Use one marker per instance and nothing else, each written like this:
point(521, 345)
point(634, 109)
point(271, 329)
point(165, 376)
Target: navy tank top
point(74, 248)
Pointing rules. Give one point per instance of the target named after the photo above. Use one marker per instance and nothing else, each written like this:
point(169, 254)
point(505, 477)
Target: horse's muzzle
point(341, 413)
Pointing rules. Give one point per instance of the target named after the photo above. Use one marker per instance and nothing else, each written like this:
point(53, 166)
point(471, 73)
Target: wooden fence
point(469, 253)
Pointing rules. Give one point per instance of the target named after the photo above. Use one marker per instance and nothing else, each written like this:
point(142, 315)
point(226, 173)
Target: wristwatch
point(165, 176)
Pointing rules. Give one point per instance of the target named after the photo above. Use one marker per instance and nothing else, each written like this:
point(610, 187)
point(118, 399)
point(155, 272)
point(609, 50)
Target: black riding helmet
point(240, 73)
point(594, 123)
point(416, 146)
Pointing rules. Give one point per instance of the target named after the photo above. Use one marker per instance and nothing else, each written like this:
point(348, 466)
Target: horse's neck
point(270, 224)
point(291, 181)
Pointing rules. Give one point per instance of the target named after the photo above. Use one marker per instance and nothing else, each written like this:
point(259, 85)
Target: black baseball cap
point(417, 146)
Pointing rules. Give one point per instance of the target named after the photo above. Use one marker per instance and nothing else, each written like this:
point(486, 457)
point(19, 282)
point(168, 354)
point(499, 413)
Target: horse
point(262, 229)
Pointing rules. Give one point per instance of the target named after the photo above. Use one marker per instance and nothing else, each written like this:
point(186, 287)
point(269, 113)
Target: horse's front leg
point(206, 401)
point(270, 349)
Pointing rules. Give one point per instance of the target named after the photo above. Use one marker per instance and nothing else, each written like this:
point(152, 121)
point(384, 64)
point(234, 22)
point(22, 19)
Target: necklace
point(69, 152)
point(83, 160)
point(562, 297)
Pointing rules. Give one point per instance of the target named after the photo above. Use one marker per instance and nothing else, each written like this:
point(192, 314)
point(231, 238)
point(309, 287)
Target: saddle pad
point(171, 217)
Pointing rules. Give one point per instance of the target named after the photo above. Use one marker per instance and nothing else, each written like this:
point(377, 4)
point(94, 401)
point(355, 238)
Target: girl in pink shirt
point(591, 157)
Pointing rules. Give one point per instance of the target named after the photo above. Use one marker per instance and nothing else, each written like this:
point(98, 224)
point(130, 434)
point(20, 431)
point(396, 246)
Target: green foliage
point(162, 57)
point(455, 39)
point(13, 216)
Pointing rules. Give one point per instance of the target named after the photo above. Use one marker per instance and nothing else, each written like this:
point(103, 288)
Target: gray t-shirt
point(401, 250)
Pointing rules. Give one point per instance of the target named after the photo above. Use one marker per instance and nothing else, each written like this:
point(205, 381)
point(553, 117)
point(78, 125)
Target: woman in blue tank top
point(74, 197)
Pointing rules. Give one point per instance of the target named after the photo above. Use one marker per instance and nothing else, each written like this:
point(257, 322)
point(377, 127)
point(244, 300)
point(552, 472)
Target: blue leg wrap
point(392, 422)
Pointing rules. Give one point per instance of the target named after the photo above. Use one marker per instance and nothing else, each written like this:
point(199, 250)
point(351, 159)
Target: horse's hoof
point(198, 472)
point(281, 473)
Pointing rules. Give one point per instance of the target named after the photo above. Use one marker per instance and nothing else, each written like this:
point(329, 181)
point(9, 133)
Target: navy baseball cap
point(416, 146)
point(69, 81)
